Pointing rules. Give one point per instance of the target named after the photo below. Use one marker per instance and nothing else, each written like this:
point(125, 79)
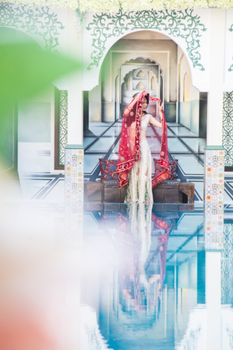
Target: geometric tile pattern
point(40, 185)
point(74, 178)
point(214, 190)
point(228, 127)
point(190, 156)
point(190, 163)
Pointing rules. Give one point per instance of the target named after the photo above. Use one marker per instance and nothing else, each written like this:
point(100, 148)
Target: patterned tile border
point(74, 179)
point(214, 190)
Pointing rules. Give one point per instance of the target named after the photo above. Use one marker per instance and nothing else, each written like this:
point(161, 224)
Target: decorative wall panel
point(183, 24)
point(74, 178)
point(228, 128)
point(37, 22)
point(61, 127)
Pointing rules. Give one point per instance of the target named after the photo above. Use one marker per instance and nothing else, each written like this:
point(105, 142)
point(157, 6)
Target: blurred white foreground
point(40, 269)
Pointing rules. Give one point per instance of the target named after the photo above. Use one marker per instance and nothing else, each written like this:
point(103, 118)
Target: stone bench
point(174, 192)
point(107, 191)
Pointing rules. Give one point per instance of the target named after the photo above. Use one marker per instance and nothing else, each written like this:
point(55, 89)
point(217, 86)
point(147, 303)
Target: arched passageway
point(151, 61)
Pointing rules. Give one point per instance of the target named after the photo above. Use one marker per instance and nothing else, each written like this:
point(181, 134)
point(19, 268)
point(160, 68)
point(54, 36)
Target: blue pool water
point(148, 283)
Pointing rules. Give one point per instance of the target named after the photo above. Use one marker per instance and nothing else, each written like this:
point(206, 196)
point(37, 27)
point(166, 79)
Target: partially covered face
point(144, 105)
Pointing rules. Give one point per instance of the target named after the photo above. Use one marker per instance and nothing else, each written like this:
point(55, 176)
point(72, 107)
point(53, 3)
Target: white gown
point(140, 178)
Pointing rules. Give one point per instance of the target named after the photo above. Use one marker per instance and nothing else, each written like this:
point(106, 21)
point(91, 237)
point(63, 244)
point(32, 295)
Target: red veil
point(129, 147)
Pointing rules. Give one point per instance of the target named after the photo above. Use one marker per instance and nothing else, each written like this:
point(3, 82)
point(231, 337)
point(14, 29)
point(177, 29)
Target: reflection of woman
point(134, 167)
point(142, 279)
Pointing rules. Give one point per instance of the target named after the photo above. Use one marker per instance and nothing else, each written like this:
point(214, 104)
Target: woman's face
point(144, 105)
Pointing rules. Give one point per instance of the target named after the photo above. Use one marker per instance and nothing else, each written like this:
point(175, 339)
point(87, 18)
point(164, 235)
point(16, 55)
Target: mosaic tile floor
point(181, 264)
point(184, 146)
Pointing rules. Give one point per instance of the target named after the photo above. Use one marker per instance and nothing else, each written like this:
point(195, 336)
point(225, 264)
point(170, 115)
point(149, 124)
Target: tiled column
point(214, 155)
point(214, 200)
point(214, 221)
point(73, 163)
point(74, 231)
point(74, 185)
point(74, 179)
point(74, 156)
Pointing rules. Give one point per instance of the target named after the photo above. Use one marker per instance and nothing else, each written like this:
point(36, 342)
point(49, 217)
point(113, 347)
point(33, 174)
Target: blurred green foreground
point(26, 70)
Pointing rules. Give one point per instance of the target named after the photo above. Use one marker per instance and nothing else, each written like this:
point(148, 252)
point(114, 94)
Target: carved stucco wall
point(184, 24)
point(41, 23)
point(44, 25)
point(185, 28)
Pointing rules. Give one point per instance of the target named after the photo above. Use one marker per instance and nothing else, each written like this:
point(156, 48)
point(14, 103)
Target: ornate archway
point(184, 27)
point(140, 74)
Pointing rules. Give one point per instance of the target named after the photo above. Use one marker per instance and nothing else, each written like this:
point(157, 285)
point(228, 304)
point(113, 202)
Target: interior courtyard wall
point(115, 42)
point(92, 34)
point(228, 92)
point(63, 33)
point(195, 101)
point(162, 52)
point(95, 104)
point(35, 134)
point(188, 96)
point(107, 82)
point(71, 31)
point(200, 77)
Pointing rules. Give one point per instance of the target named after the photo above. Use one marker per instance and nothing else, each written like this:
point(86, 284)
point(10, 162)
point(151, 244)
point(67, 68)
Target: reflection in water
point(90, 336)
point(140, 281)
point(227, 264)
point(133, 314)
point(154, 284)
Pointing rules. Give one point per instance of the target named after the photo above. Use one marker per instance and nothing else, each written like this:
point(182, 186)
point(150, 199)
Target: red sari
point(129, 147)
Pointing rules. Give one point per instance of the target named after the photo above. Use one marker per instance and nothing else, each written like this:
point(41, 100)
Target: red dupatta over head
point(163, 167)
point(129, 147)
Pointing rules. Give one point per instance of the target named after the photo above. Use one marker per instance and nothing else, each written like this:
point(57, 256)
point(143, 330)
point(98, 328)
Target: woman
point(134, 167)
point(140, 178)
